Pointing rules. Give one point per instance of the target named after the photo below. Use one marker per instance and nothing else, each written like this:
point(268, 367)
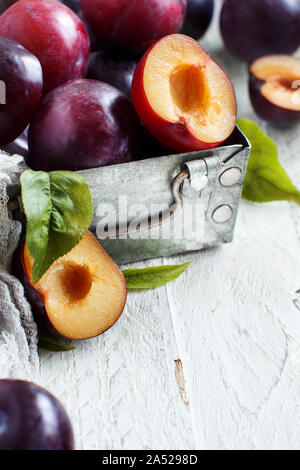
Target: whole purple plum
point(32, 419)
point(133, 25)
point(198, 17)
point(83, 124)
point(255, 28)
point(113, 68)
point(54, 34)
point(21, 86)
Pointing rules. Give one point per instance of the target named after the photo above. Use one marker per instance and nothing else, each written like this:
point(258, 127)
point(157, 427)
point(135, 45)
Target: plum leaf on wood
point(149, 278)
point(265, 179)
point(59, 209)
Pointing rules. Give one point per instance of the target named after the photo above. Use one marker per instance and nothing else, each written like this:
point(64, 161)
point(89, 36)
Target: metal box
point(169, 205)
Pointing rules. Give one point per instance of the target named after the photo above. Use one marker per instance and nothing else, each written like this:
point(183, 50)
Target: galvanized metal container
point(169, 205)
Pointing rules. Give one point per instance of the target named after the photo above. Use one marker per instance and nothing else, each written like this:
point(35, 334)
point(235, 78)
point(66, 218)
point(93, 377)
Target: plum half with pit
point(274, 85)
point(32, 419)
point(54, 34)
point(184, 99)
point(255, 28)
point(81, 295)
point(198, 17)
point(83, 124)
point(21, 86)
point(133, 25)
point(113, 68)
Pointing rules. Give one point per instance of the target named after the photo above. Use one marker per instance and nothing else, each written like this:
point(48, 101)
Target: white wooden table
point(212, 360)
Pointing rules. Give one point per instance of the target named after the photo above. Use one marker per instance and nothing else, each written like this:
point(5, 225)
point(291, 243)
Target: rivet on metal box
point(169, 205)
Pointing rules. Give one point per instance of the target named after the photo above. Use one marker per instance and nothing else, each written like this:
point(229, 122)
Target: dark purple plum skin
point(32, 419)
point(95, 43)
point(22, 75)
point(198, 17)
point(133, 25)
point(83, 124)
point(73, 4)
point(151, 148)
point(33, 296)
point(18, 146)
point(255, 28)
point(113, 68)
point(268, 111)
point(5, 4)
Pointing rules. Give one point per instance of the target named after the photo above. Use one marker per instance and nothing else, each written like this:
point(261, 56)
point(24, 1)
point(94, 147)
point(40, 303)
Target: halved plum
point(274, 86)
point(80, 296)
point(182, 96)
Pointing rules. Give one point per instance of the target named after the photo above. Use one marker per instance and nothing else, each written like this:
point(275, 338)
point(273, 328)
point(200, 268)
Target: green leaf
point(49, 344)
point(265, 180)
point(59, 209)
point(149, 278)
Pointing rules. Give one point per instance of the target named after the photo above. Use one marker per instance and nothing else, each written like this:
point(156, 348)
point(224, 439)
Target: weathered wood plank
point(120, 389)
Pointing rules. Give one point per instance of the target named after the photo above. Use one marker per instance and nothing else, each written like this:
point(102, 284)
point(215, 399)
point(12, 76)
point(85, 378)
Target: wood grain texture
point(231, 323)
point(121, 389)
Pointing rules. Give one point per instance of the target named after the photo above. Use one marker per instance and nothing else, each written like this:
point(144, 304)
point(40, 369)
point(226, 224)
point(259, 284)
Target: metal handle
point(162, 217)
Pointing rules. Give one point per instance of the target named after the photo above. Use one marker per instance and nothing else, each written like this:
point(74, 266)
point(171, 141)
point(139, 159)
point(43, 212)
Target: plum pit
point(189, 90)
point(288, 83)
point(75, 281)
